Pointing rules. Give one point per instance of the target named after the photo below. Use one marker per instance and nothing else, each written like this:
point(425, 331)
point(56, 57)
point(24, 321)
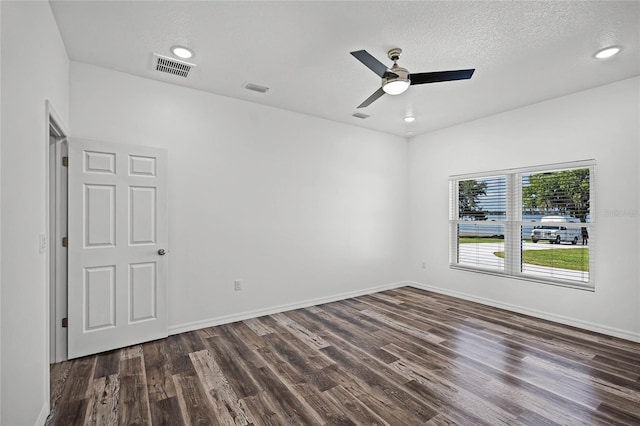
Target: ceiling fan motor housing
point(398, 78)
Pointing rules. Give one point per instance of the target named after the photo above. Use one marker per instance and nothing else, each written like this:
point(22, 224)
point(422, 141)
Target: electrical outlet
point(424, 265)
point(237, 285)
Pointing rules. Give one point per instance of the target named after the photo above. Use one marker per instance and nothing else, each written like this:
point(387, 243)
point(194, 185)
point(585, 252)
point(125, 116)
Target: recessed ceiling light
point(182, 52)
point(607, 52)
point(409, 119)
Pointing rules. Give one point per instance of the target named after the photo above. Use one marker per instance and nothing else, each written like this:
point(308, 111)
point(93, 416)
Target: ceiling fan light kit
point(395, 87)
point(396, 80)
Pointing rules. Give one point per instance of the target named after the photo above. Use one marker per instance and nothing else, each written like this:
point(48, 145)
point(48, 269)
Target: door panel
point(143, 215)
point(99, 216)
point(99, 162)
point(117, 223)
point(142, 291)
point(142, 166)
point(100, 297)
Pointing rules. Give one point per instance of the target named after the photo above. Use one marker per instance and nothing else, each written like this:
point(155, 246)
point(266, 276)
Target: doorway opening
point(57, 224)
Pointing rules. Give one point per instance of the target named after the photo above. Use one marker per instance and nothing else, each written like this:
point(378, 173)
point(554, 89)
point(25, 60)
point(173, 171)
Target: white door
point(117, 238)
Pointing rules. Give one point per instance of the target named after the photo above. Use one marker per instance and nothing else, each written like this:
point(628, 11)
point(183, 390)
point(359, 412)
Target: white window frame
point(514, 222)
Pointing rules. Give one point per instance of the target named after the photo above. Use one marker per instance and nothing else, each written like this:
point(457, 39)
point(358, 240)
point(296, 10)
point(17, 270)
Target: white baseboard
point(598, 328)
point(44, 414)
point(226, 319)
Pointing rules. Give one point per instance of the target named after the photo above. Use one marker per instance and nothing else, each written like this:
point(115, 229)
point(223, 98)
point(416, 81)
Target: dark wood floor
point(400, 357)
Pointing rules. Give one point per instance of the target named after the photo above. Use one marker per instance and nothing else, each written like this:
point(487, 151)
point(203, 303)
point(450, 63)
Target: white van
point(553, 231)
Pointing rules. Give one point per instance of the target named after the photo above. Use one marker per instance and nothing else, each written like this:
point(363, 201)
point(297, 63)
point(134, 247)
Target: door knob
point(161, 252)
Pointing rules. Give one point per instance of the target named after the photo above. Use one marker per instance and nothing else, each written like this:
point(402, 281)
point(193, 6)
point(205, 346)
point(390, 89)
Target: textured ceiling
point(523, 52)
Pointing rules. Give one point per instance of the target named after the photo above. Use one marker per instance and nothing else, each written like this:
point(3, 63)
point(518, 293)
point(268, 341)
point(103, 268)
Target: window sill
point(523, 277)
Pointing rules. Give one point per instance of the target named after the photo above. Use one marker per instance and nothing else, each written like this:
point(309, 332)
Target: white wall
point(0, 219)
point(601, 124)
point(297, 207)
point(34, 68)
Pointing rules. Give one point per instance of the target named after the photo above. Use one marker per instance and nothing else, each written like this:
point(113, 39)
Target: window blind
point(480, 221)
point(533, 223)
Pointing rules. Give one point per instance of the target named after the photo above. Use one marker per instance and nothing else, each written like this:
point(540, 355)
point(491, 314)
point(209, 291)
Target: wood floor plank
point(622, 414)
point(382, 406)
point(410, 330)
point(258, 327)
point(345, 312)
point(193, 401)
point(238, 376)
point(191, 342)
point(70, 413)
point(456, 398)
point(358, 413)
point(296, 410)
point(305, 379)
point(286, 402)
point(509, 384)
point(133, 405)
point(80, 389)
point(378, 383)
point(618, 387)
point(329, 411)
point(222, 396)
point(104, 404)
point(445, 380)
point(264, 411)
point(349, 333)
point(399, 357)
point(317, 358)
point(442, 420)
point(178, 355)
point(166, 412)
point(131, 352)
point(58, 377)
point(285, 352)
point(250, 338)
point(107, 364)
point(158, 370)
point(303, 334)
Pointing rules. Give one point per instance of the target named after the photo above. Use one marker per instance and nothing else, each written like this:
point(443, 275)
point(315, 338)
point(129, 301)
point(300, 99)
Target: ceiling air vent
point(361, 115)
point(172, 66)
point(256, 88)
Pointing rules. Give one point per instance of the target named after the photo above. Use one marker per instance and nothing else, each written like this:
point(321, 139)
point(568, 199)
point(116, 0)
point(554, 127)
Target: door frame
point(55, 217)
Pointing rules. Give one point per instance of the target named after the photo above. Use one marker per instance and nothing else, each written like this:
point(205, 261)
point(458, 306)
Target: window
point(533, 223)
point(481, 221)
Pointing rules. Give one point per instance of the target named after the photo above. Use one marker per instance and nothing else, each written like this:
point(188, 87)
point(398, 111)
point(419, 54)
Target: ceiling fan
point(396, 80)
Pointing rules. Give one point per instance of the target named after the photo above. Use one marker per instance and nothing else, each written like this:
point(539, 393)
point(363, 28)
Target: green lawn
point(576, 259)
point(469, 240)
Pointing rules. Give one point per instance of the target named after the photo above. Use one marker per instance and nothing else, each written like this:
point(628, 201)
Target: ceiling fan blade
point(370, 62)
point(372, 98)
point(438, 76)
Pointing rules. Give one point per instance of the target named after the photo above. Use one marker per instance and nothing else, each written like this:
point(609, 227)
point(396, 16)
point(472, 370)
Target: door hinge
point(65, 161)
point(64, 241)
point(65, 322)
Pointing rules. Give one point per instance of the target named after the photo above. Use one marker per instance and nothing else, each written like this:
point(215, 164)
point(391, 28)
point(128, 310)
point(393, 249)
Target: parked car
point(553, 231)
